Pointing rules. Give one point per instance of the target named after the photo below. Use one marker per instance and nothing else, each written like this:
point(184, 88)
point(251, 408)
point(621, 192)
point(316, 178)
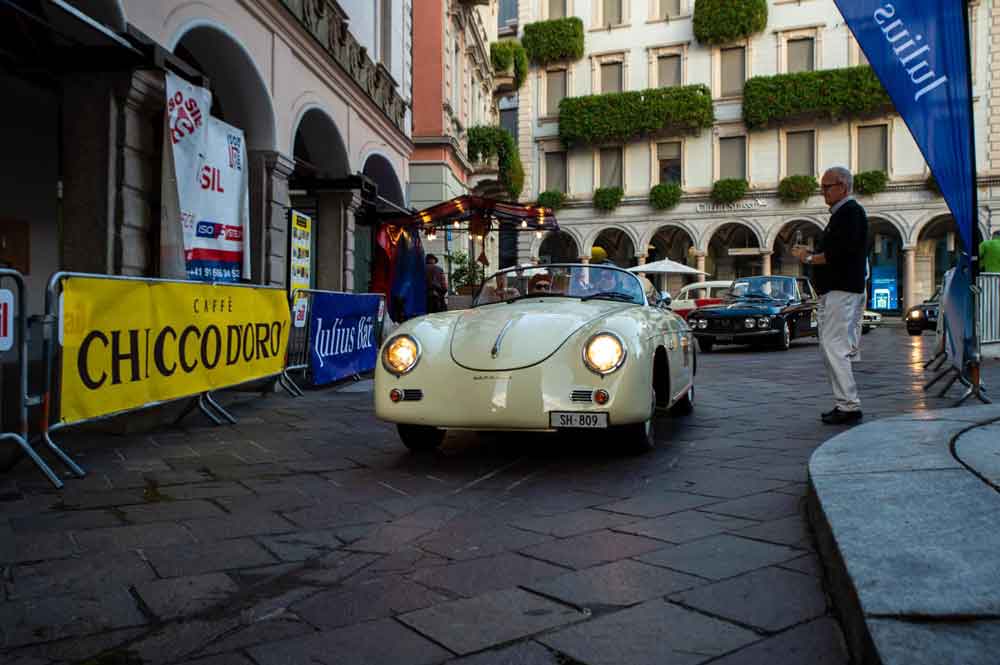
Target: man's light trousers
point(839, 316)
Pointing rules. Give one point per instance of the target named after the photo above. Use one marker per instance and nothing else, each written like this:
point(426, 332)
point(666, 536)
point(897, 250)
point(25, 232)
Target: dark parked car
point(923, 316)
point(771, 310)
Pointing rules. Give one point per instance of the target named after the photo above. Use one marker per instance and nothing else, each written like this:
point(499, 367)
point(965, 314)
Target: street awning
point(667, 267)
point(480, 214)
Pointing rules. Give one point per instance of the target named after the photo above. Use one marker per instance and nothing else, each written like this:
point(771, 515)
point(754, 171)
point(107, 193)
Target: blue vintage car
point(764, 310)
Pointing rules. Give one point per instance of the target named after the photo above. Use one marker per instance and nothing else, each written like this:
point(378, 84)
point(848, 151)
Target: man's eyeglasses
point(542, 286)
point(830, 186)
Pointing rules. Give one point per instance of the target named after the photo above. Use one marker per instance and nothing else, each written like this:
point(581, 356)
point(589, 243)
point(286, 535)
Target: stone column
point(585, 260)
point(700, 265)
point(269, 202)
point(334, 230)
point(765, 263)
point(909, 276)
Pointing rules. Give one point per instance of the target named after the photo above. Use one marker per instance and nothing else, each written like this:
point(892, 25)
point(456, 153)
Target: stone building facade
point(643, 44)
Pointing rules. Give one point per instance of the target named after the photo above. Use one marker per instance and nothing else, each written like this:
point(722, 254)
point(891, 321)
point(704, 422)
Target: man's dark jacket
point(844, 243)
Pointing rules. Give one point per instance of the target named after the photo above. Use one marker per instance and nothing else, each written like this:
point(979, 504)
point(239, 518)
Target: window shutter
point(732, 158)
point(668, 70)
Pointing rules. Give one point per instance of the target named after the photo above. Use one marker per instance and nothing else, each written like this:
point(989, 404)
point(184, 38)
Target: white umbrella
point(665, 267)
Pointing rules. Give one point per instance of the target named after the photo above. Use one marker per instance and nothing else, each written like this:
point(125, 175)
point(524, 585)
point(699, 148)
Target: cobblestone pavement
point(306, 534)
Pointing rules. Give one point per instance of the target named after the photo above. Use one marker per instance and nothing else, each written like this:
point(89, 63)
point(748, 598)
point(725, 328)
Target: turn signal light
point(395, 395)
point(602, 397)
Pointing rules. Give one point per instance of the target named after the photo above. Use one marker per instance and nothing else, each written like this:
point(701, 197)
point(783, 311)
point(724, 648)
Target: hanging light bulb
point(456, 223)
point(538, 234)
point(524, 223)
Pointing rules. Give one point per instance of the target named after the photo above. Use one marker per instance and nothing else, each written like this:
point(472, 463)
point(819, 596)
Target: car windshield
point(775, 288)
point(565, 281)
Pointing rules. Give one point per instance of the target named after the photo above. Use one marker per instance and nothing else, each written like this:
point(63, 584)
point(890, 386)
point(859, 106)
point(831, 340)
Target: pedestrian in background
point(989, 254)
point(437, 286)
point(839, 274)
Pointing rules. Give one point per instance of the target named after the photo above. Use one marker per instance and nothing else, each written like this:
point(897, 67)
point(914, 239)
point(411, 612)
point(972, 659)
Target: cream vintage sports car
point(543, 348)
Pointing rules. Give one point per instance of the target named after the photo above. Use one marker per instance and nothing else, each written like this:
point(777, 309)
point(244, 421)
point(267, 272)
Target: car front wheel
point(420, 438)
point(685, 405)
point(705, 345)
point(641, 437)
point(786, 337)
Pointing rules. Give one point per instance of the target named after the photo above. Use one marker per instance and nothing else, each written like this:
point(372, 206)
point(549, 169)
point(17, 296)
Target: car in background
point(559, 347)
point(700, 294)
point(923, 316)
point(869, 321)
point(765, 310)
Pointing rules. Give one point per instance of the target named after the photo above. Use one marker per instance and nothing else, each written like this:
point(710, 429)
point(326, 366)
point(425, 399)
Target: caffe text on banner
point(342, 335)
point(920, 53)
point(128, 343)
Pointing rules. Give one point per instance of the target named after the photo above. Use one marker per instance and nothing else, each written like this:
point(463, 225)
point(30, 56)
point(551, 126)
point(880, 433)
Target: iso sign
point(6, 320)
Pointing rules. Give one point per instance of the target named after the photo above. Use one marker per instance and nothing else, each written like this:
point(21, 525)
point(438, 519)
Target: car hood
point(529, 331)
point(739, 308)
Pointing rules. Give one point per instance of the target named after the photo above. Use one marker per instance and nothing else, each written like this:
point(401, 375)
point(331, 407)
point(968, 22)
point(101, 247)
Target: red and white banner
point(206, 191)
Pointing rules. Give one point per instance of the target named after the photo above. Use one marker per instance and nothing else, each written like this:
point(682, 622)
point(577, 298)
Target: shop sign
point(738, 206)
point(6, 320)
point(343, 335)
point(300, 261)
point(129, 344)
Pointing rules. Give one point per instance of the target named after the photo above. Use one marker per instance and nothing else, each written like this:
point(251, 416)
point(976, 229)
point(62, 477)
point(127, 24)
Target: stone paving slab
point(721, 556)
point(171, 599)
point(371, 599)
point(184, 560)
point(52, 618)
point(686, 526)
point(654, 633)
point(471, 578)
point(980, 450)
point(622, 583)
point(84, 574)
point(818, 642)
point(524, 653)
point(467, 626)
point(968, 643)
point(593, 548)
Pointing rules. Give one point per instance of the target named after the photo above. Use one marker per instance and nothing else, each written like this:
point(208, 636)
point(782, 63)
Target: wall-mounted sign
point(738, 206)
point(6, 320)
point(300, 251)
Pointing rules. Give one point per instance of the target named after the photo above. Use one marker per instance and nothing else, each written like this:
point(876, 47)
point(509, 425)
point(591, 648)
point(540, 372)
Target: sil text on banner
point(342, 335)
point(128, 344)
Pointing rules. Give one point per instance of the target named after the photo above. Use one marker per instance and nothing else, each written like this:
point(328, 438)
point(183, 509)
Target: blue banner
point(920, 53)
point(343, 330)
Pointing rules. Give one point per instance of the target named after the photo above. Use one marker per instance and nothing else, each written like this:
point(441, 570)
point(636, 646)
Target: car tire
point(865, 330)
point(915, 332)
point(685, 405)
point(705, 345)
point(641, 437)
point(785, 342)
point(420, 438)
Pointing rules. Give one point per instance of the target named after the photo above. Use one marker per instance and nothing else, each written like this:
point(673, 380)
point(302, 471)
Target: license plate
point(561, 419)
point(722, 339)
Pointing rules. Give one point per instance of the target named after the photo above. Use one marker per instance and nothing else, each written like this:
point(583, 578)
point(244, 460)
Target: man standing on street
point(839, 276)
point(437, 285)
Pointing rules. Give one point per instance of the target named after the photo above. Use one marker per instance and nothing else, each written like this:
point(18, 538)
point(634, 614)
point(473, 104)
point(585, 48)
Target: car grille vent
point(413, 395)
point(582, 396)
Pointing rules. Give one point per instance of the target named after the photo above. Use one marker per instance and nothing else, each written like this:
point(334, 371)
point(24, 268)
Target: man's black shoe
point(838, 417)
point(827, 414)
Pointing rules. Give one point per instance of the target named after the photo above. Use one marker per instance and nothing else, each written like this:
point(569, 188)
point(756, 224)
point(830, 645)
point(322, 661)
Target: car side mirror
point(665, 300)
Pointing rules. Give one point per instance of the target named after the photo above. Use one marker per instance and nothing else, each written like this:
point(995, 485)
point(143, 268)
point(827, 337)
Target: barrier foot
point(39, 462)
point(939, 356)
point(976, 387)
point(205, 410)
point(927, 386)
point(192, 405)
point(288, 383)
point(955, 377)
point(63, 457)
point(218, 409)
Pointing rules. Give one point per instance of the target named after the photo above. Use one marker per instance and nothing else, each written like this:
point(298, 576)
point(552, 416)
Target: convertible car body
point(758, 310)
point(557, 347)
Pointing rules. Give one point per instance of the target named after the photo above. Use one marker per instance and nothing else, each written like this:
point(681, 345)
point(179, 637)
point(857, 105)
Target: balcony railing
point(327, 22)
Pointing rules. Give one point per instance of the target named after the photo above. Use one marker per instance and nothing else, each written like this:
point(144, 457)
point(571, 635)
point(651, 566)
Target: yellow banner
point(127, 344)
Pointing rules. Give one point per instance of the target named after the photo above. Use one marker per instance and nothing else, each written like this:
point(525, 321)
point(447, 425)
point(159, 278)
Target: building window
point(508, 114)
point(555, 171)
point(611, 167)
point(668, 70)
point(669, 8)
point(801, 55)
point(555, 90)
point(800, 151)
point(733, 158)
point(507, 14)
point(612, 13)
point(733, 71)
point(456, 80)
point(669, 157)
point(611, 77)
point(873, 148)
point(385, 33)
point(557, 9)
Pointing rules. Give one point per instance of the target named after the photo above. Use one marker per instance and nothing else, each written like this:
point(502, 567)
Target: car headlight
point(703, 324)
point(750, 323)
point(400, 355)
point(763, 323)
point(604, 353)
point(916, 314)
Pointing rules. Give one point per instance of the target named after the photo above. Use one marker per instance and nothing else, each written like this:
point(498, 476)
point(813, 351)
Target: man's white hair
point(844, 175)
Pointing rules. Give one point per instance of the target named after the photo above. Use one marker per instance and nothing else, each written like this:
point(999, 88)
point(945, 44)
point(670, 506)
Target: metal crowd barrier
point(12, 310)
point(298, 340)
point(989, 307)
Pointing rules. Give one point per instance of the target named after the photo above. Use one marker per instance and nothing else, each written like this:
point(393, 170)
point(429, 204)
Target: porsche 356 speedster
point(543, 348)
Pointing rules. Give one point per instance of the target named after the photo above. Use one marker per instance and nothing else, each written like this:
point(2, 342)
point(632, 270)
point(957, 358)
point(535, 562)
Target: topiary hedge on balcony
point(729, 190)
point(510, 53)
point(723, 21)
point(608, 198)
point(551, 198)
point(833, 94)
point(623, 116)
point(870, 182)
point(551, 41)
point(797, 188)
point(665, 195)
point(486, 142)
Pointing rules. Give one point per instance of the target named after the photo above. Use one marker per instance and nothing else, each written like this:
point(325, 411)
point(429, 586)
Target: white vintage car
point(543, 348)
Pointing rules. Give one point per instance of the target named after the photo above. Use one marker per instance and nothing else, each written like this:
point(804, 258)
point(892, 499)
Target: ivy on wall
point(623, 116)
point(724, 21)
point(870, 182)
point(832, 94)
point(551, 198)
point(797, 188)
point(487, 142)
point(555, 40)
point(509, 55)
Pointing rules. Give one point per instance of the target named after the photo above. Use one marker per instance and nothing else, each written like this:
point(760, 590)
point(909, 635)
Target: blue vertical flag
point(920, 52)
